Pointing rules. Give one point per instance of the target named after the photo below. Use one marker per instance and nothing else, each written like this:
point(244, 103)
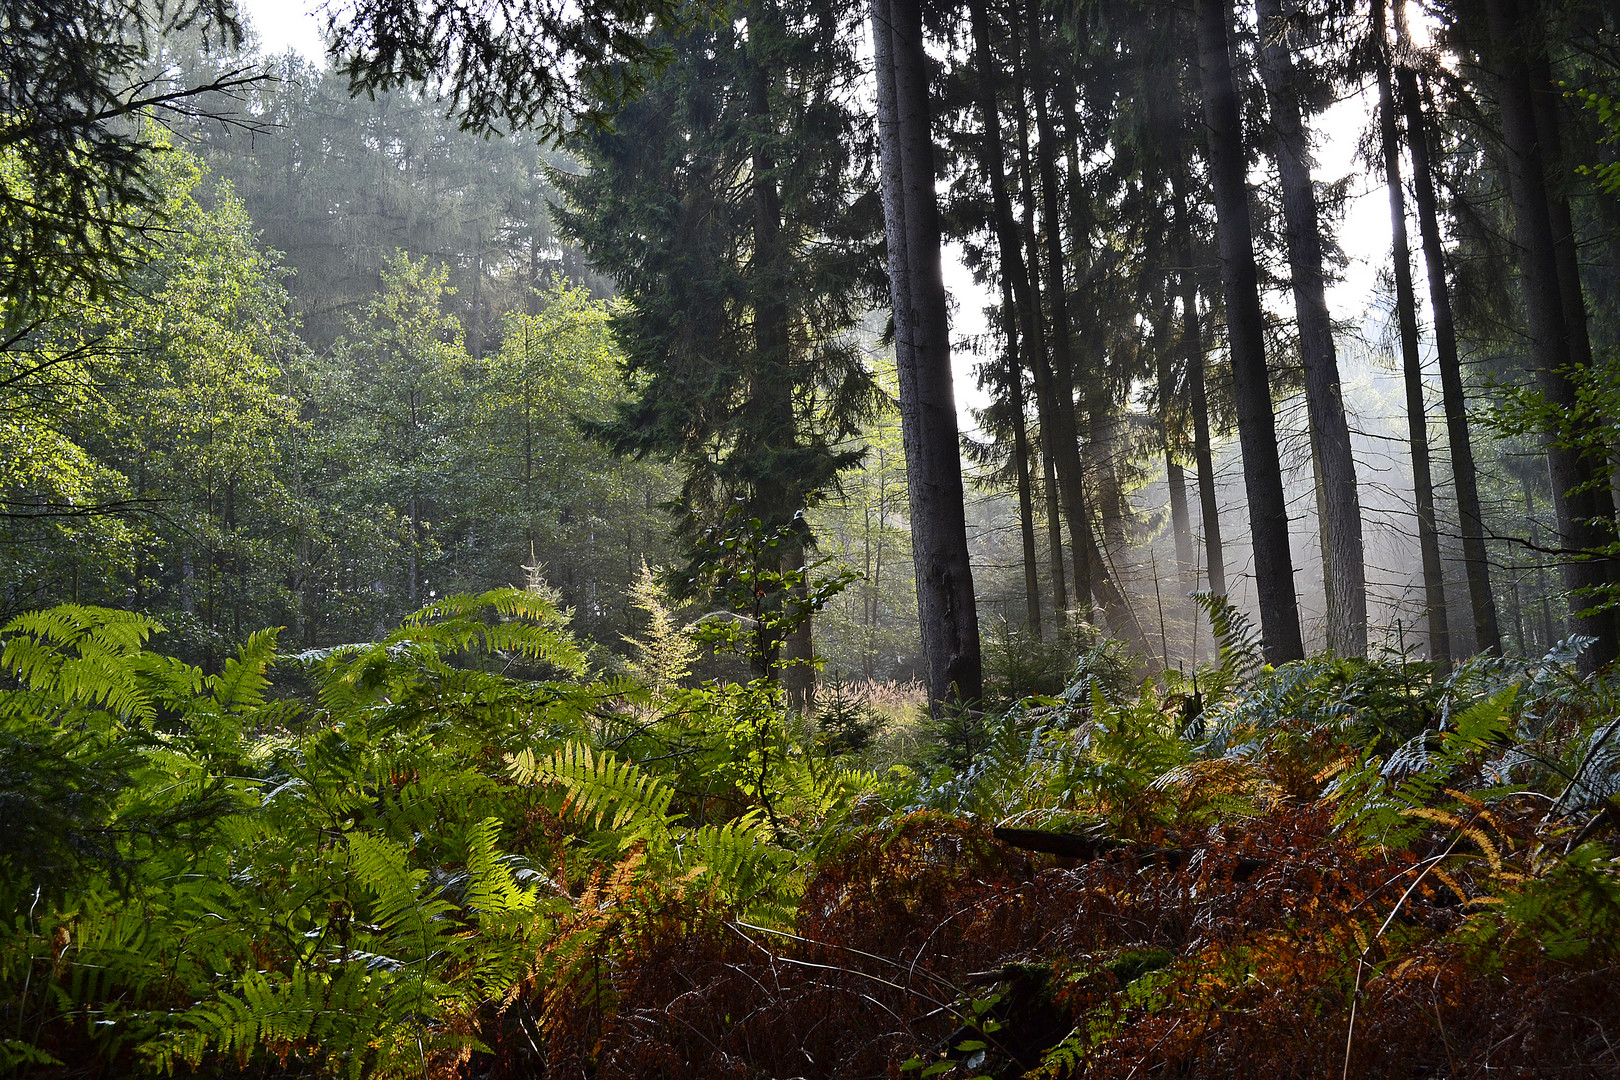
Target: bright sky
point(1363, 232)
point(287, 24)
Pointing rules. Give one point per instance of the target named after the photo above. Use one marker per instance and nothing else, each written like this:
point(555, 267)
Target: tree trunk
point(777, 498)
point(1434, 589)
point(1026, 504)
point(1017, 306)
point(1209, 509)
point(1054, 524)
point(945, 601)
point(1070, 468)
point(1345, 569)
point(1570, 471)
point(1257, 431)
point(1197, 397)
point(1045, 402)
point(1544, 98)
point(1175, 478)
point(1482, 602)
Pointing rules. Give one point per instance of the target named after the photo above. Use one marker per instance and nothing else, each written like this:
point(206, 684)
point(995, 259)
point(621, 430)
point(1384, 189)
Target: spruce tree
point(732, 206)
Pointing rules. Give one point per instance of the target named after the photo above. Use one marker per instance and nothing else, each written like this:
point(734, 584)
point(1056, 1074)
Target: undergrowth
point(460, 851)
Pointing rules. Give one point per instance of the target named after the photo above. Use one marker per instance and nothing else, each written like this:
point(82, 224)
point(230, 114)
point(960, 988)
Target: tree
point(1018, 305)
point(1555, 317)
point(511, 65)
point(1487, 637)
point(1262, 469)
point(340, 184)
point(728, 206)
point(1411, 363)
point(150, 469)
point(529, 489)
point(1345, 571)
point(76, 186)
point(405, 364)
point(945, 600)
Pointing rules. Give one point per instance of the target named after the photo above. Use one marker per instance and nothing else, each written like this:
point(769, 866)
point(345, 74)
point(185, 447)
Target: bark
point(1417, 417)
point(1345, 570)
point(1045, 400)
point(945, 601)
point(1090, 356)
point(1257, 432)
point(1180, 519)
point(1070, 468)
point(1057, 425)
point(1016, 304)
point(1482, 602)
point(1054, 528)
point(1544, 97)
point(1197, 396)
point(1569, 469)
point(1175, 478)
point(1013, 387)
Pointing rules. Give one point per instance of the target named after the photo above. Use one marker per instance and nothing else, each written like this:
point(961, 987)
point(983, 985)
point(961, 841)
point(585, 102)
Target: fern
point(603, 792)
point(82, 655)
point(1240, 648)
point(240, 686)
point(405, 908)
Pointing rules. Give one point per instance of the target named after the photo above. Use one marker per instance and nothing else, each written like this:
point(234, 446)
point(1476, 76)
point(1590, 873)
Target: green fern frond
point(603, 792)
point(240, 686)
point(84, 655)
point(1240, 647)
point(526, 625)
point(491, 887)
point(403, 908)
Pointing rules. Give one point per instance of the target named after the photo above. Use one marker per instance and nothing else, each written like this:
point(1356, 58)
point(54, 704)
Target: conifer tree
point(732, 207)
point(1344, 571)
point(947, 608)
point(1257, 430)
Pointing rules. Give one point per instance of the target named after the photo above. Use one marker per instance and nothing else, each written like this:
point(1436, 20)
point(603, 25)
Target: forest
point(732, 538)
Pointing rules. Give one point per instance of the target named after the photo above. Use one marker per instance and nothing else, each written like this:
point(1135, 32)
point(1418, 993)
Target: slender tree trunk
point(1197, 396)
point(1203, 454)
point(1346, 570)
point(1257, 431)
point(1180, 519)
point(1434, 589)
point(1057, 426)
point(1175, 478)
point(415, 535)
point(779, 499)
point(1054, 528)
point(1482, 602)
point(1016, 304)
point(1570, 471)
point(1541, 573)
point(945, 601)
point(1045, 395)
point(1070, 468)
point(1026, 504)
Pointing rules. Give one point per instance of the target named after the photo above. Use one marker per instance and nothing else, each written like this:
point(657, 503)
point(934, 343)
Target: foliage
point(507, 67)
point(747, 566)
point(77, 190)
point(453, 843)
point(1226, 895)
point(732, 207)
point(382, 873)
